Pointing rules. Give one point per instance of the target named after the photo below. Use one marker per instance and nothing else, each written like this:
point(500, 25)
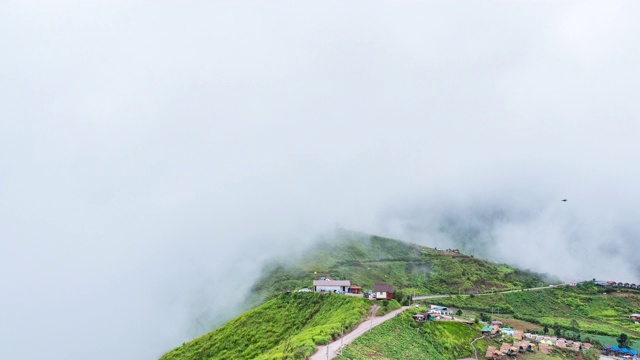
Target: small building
point(354, 289)
point(442, 310)
point(423, 317)
point(544, 348)
point(487, 330)
point(497, 323)
point(331, 286)
point(493, 353)
point(384, 291)
point(525, 346)
point(518, 334)
point(507, 331)
point(505, 348)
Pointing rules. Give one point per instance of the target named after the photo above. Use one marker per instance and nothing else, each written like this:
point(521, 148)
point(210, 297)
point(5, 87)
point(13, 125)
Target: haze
point(152, 157)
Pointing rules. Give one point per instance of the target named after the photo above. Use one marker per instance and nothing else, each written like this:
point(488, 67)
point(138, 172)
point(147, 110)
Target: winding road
point(359, 330)
point(423, 297)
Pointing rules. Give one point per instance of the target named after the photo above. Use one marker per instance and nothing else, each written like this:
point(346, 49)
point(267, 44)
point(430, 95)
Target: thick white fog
point(153, 156)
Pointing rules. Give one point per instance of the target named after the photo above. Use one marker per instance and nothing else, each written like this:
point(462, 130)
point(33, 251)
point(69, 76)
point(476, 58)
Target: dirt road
point(423, 297)
point(361, 329)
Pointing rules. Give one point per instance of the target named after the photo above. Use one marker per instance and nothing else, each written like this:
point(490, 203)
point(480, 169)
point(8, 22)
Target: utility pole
point(342, 340)
point(327, 351)
point(371, 327)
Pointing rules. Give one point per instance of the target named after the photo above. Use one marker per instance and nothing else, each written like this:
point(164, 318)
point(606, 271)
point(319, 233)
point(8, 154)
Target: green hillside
point(286, 327)
point(289, 325)
point(366, 260)
point(402, 338)
point(584, 306)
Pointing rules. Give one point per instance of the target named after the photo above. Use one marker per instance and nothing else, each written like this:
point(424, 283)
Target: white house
point(384, 291)
point(331, 285)
point(442, 310)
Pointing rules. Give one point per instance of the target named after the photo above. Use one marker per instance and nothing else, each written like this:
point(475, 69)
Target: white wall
point(328, 288)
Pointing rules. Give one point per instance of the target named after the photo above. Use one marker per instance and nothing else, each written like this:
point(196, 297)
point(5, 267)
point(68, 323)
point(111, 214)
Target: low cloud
point(152, 159)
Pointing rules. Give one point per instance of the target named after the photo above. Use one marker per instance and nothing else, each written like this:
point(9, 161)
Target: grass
point(287, 327)
point(399, 338)
point(593, 312)
point(366, 260)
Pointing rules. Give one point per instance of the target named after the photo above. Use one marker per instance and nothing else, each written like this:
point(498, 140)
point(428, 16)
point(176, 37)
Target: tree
point(557, 330)
point(485, 317)
point(624, 341)
point(459, 312)
point(545, 330)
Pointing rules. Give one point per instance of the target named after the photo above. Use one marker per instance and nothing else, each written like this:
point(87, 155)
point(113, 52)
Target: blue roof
point(633, 352)
point(615, 348)
point(624, 350)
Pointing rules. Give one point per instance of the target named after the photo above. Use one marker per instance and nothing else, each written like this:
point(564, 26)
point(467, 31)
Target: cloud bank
point(152, 157)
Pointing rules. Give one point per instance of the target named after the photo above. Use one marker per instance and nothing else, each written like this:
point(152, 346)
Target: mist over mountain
point(154, 158)
point(576, 240)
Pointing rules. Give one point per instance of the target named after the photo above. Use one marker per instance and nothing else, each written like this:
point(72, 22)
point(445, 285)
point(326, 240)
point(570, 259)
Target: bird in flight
point(565, 200)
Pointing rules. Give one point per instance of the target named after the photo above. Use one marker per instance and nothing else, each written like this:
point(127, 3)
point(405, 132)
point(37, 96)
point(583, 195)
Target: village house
point(442, 310)
point(423, 317)
point(493, 353)
point(507, 331)
point(525, 346)
point(384, 291)
point(332, 286)
point(505, 348)
point(544, 348)
point(518, 334)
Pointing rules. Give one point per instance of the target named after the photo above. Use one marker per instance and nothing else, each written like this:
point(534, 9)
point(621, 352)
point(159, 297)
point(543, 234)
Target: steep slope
point(365, 260)
point(288, 326)
point(401, 338)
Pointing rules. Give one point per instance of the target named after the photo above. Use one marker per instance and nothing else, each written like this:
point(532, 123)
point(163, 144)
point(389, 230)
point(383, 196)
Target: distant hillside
point(287, 327)
point(584, 309)
point(365, 260)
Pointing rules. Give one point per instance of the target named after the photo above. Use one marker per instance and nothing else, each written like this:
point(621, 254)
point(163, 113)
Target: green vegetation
point(563, 309)
point(402, 338)
point(290, 325)
point(286, 327)
point(388, 306)
point(412, 269)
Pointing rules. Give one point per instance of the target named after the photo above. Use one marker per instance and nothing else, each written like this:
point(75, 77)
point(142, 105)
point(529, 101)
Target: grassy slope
point(595, 313)
point(366, 260)
point(290, 325)
point(398, 339)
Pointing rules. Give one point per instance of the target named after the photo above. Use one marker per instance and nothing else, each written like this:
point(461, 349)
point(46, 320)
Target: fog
point(153, 157)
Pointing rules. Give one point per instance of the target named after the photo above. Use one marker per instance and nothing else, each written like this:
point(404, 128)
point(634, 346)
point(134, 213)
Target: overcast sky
point(152, 157)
